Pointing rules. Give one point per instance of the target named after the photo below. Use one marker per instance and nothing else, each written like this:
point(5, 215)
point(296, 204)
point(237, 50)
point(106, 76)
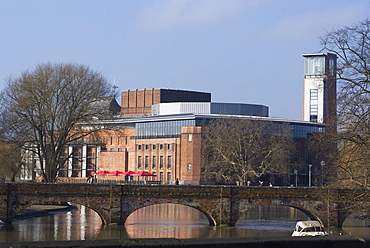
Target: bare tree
point(11, 160)
point(43, 107)
point(354, 140)
point(245, 149)
point(351, 44)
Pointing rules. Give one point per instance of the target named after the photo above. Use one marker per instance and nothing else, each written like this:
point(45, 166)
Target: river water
point(158, 221)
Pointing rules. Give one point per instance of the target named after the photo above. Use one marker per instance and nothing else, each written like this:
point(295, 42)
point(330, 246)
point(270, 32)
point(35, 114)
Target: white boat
point(309, 228)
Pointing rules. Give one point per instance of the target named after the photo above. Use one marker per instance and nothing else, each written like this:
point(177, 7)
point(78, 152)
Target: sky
point(241, 51)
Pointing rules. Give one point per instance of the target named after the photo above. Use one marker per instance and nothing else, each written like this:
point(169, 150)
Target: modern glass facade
point(301, 131)
point(172, 128)
point(162, 129)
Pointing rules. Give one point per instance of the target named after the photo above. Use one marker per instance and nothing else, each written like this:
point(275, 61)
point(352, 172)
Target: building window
point(190, 137)
point(146, 147)
point(331, 66)
point(189, 167)
point(161, 176)
point(169, 177)
point(139, 162)
point(169, 162)
point(161, 146)
point(120, 149)
point(168, 146)
point(146, 162)
point(139, 147)
point(112, 149)
point(161, 162)
point(154, 162)
point(154, 147)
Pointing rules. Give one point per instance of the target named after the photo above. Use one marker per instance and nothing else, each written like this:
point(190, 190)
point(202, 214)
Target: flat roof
point(208, 116)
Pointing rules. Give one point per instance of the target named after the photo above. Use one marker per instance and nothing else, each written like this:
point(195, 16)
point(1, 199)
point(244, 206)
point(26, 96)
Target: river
point(158, 221)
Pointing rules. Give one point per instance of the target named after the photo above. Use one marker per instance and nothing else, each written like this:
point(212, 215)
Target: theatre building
point(158, 131)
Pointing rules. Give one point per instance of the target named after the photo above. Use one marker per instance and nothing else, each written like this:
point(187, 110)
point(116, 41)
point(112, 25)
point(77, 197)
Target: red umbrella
point(114, 173)
point(102, 173)
point(127, 173)
point(143, 174)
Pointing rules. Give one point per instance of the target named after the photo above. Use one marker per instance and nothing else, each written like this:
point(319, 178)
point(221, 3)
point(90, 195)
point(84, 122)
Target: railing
point(104, 181)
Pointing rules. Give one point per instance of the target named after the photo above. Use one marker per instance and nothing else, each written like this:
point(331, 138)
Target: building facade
point(165, 141)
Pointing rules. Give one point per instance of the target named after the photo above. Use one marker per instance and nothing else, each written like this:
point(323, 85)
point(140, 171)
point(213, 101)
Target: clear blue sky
point(247, 51)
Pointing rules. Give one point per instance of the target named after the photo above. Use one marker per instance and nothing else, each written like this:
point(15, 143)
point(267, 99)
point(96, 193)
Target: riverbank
point(44, 209)
point(301, 242)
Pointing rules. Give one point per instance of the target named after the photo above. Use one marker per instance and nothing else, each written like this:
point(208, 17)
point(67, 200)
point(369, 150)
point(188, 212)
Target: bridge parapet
point(104, 199)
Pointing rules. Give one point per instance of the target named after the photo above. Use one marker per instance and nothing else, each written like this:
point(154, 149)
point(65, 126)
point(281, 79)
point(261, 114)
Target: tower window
point(314, 66)
point(314, 96)
point(331, 66)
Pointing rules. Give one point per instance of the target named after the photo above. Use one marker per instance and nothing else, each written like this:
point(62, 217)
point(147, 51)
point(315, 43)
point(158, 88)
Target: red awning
point(114, 173)
point(102, 173)
point(127, 173)
point(143, 174)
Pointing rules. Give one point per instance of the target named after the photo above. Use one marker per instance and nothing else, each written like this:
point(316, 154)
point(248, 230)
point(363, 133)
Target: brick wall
point(190, 154)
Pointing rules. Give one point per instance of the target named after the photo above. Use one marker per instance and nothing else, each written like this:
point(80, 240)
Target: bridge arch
point(308, 213)
point(243, 206)
point(130, 207)
point(272, 216)
point(21, 205)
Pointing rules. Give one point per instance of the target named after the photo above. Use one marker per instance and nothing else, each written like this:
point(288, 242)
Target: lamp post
point(309, 175)
point(322, 163)
point(296, 177)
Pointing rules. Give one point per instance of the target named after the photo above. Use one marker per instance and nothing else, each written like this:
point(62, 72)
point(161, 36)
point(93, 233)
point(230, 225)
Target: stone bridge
point(223, 205)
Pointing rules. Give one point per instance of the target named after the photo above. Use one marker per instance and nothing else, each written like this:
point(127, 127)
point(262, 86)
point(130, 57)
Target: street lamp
point(296, 177)
point(322, 163)
point(309, 175)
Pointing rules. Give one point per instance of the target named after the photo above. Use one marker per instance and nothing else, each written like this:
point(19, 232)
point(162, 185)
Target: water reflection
point(166, 221)
point(356, 225)
point(158, 221)
point(79, 224)
point(177, 221)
